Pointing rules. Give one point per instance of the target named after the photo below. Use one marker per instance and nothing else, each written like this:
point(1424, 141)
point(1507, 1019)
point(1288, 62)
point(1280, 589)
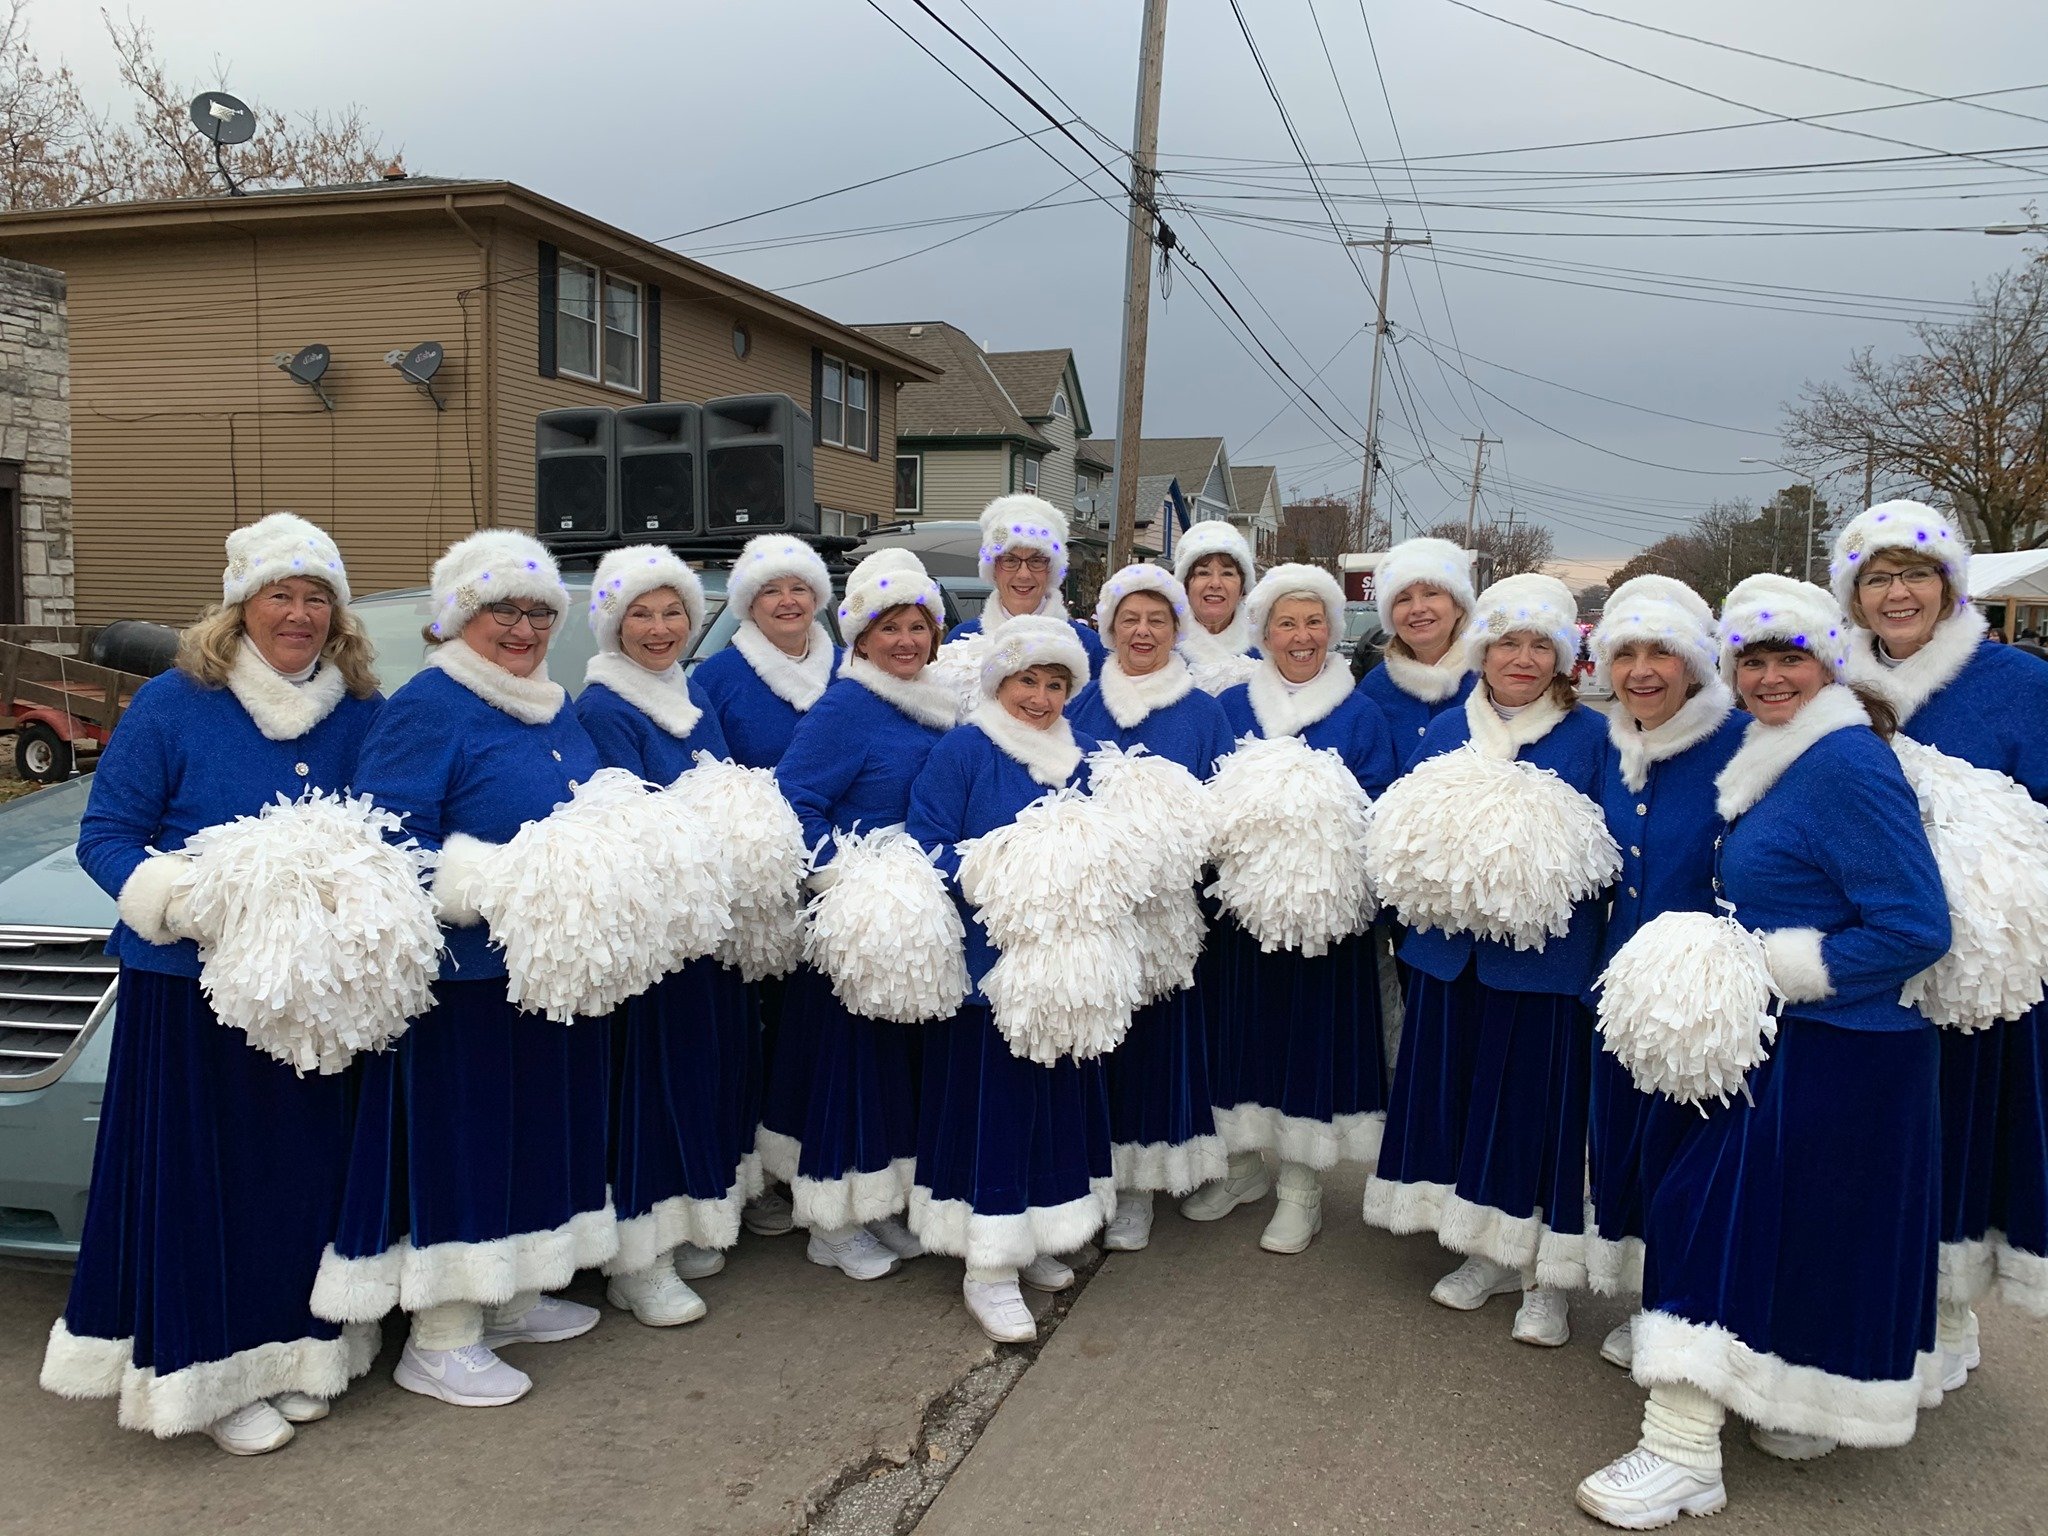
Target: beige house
point(183, 426)
point(1255, 495)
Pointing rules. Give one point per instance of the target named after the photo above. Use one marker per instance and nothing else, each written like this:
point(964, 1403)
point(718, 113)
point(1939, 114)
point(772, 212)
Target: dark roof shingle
point(967, 400)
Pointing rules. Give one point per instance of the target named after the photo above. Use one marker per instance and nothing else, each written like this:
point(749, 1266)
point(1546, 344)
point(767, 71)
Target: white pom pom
point(886, 933)
point(1165, 806)
point(763, 845)
point(959, 664)
point(1471, 844)
point(1290, 844)
point(1170, 937)
point(326, 941)
point(687, 861)
point(1990, 841)
point(1685, 1005)
point(1071, 996)
point(1220, 674)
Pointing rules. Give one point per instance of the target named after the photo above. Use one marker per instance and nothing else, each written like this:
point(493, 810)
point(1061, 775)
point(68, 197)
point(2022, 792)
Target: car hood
point(41, 883)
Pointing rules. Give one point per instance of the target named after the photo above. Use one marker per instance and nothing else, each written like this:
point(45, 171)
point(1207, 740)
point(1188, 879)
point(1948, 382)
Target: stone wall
point(35, 433)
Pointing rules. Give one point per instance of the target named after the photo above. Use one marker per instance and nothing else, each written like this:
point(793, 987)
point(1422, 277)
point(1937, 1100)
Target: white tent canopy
point(2020, 574)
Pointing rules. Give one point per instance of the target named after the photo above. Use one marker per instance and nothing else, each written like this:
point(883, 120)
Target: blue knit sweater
point(1355, 729)
point(627, 737)
point(757, 724)
point(851, 763)
point(1407, 716)
point(1192, 731)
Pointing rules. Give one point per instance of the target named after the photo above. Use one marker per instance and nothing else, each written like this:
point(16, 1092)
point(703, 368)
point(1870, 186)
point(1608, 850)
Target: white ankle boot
point(1247, 1181)
point(1130, 1229)
point(1047, 1272)
point(1956, 1338)
point(1297, 1212)
point(999, 1307)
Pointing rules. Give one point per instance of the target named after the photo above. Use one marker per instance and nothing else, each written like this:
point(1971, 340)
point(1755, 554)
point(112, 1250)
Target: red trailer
point(60, 708)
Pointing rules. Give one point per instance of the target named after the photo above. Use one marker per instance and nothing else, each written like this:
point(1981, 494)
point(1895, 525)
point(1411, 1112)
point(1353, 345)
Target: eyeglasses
point(508, 616)
point(1037, 565)
point(1874, 582)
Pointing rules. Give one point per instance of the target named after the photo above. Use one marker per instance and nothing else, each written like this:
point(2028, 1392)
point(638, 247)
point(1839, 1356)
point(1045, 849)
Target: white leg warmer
point(513, 1308)
point(1952, 1321)
point(991, 1274)
point(451, 1325)
point(1682, 1424)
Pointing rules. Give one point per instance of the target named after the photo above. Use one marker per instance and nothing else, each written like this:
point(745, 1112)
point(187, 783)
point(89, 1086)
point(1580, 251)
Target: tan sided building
point(184, 426)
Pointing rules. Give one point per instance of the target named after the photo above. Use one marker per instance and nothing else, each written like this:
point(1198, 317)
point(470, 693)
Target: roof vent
point(917, 330)
point(395, 171)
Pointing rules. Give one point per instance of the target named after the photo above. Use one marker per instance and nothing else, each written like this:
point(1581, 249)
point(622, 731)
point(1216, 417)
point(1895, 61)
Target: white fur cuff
point(459, 877)
point(154, 895)
point(1797, 969)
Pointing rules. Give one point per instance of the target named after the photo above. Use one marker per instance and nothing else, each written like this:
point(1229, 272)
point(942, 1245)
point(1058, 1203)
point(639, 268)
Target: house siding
point(959, 482)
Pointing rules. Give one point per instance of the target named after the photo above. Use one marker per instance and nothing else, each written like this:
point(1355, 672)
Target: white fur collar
point(1768, 750)
point(1434, 681)
point(1503, 739)
point(799, 684)
point(1235, 640)
point(663, 697)
point(535, 700)
point(1924, 673)
point(1130, 699)
point(926, 698)
point(1284, 713)
point(1050, 756)
point(1697, 719)
point(283, 710)
point(1051, 606)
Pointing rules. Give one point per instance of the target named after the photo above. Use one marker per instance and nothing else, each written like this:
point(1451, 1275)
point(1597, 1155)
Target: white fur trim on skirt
point(195, 1396)
point(1479, 1231)
point(1614, 1266)
point(2022, 1277)
point(832, 1205)
point(1968, 1270)
point(1012, 1241)
point(1177, 1169)
point(1317, 1144)
point(680, 1219)
point(412, 1279)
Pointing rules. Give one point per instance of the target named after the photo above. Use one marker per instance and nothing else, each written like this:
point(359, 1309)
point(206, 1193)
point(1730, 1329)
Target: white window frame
point(637, 309)
point(1028, 476)
point(1060, 407)
point(848, 374)
point(917, 490)
point(600, 281)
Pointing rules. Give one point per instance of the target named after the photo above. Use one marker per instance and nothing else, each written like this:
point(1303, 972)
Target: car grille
point(55, 987)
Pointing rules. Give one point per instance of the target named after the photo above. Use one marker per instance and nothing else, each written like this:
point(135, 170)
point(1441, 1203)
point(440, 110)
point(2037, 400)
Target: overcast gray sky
point(666, 118)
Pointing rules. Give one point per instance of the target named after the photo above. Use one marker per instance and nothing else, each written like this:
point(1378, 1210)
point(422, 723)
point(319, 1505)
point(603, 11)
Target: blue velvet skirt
point(1299, 1068)
point(1790, 1266)
point(1631, 1137)
point(1162, 1119)
point(683, 1120)
point(1013, 1158)
point(1994, 1162)
point(479, 1167)
point(215, 1184)
point(839, 1120)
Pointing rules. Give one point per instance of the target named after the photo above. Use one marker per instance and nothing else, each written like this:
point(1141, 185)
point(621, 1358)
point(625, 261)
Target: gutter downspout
point(487, 360)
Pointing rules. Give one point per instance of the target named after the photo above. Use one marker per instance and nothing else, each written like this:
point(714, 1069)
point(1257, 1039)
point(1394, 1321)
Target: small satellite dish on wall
point(418, 367)
point(309, 366)
point(223, 118)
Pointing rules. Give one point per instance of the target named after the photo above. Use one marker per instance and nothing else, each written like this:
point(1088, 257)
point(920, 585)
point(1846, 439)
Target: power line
point(1073, 180)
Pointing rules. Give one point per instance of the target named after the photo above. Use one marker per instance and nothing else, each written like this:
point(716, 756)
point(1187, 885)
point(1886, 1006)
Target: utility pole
point(1507, 538)
point(1144, 214)
point(1869, 469)
point(1478, 461)
point(1385, 246)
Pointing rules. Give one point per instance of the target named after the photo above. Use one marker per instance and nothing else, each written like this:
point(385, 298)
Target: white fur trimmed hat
point(1143, 578)
point(1434, 562)
point(1032, 640)
point(1295, 581)
point(1768, 606)
point(887, 579)
point(768, 557)
point(1664, 612)
point(1213, 536)
point(1530, 601)
point(1909, 527)
point(1028, 523)
point(277, 548)
point(492, 565)
point(633, 572)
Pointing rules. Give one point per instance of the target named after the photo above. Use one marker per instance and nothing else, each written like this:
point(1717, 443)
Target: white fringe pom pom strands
point(886, 932)
point(1685, 1005)
point(1290, 844)
point(763, 846)
point(322, 942)
point(1522, 850)
point(1990, 842)
point(1165, 806)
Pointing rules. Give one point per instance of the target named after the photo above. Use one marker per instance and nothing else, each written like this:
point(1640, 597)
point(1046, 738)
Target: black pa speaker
point(575, 494)
point(757, 466)
point(661, 492)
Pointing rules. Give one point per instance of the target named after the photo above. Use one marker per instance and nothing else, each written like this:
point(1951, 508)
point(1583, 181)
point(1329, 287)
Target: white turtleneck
point(1505, 711)
point(299, 678)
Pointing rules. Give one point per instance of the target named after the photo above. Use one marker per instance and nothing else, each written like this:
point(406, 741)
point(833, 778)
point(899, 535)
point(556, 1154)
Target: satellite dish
point(308, 365)
point(418, 367)
point(223, 118)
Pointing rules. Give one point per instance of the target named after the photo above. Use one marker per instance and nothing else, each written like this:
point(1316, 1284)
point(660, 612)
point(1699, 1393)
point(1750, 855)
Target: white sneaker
point(854, 1252)
point(694, 1263)
point(300, 1407)
point(547, 1321)
point(1619, 1347)
point(1046, 1273)
point(1643, 1491)
point(1544, 1318)
point(896, 1237)
point(999, 1307)
point(769, 1213)
point(1297, 1214)
point(1959, 1357)
point(251, 1431)
point(1130, 1229)
point(1246, 1182)
point(657, 1297)
point(1786, 1446)
point(469, 1377)
point(1474, 1283)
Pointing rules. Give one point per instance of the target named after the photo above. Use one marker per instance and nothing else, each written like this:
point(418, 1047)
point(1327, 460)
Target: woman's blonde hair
point(207, 650)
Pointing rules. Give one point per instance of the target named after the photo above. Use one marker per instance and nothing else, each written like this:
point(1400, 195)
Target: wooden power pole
point(1144, 214)
point(1472, 505)
point(1385, 245)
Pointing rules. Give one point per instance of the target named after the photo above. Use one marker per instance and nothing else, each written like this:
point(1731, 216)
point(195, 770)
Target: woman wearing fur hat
point(218, 1170)
point(1486, 1133)
point(1671, 729)
point(1024, 553)
point(1299, 1067)
point(1900, 571)
point(1013, 1157)
point(478, 1181)
point(839, 1124)
point(1827, 1165)
point(1214, 563)
point(684, 1057)
point(1160, 1110)
point(1424, 591)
